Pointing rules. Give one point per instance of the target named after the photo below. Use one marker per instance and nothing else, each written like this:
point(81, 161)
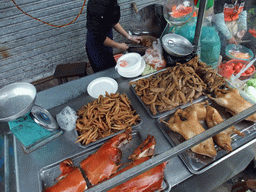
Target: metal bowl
point(16, 100)
point(176, 45)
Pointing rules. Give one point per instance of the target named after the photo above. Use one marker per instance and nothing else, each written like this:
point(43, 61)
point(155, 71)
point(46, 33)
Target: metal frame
point(163, 157)
point(199, 23)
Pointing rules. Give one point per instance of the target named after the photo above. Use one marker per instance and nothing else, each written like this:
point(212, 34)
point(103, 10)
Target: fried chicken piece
point(223, 138)
point(199, 108)
point(188, 125)
point(233, 102)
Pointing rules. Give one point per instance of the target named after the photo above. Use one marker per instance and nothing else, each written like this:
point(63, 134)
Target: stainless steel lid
point(43, 117)
point(177, 45)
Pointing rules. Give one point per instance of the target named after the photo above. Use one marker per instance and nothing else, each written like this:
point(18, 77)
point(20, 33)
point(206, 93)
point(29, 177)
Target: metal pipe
point(199, 22)
point(165, 156)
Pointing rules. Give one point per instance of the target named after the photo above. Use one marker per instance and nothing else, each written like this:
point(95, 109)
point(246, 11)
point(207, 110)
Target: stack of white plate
point(135, 65)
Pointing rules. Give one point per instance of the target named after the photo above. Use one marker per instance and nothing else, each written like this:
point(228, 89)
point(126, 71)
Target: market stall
point(20, 176)
point(186, 168)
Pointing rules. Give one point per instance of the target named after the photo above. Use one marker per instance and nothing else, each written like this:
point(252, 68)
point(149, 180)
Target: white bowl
point(133, 63)
point(134, 73)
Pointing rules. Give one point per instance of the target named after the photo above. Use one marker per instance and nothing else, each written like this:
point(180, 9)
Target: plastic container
point(240, 48)
point(229, 68)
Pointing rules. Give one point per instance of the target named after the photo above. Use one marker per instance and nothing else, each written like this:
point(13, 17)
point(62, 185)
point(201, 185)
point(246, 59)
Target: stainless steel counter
point(21, 170)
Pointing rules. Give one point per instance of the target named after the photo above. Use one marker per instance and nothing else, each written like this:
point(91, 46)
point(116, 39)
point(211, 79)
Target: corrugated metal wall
point(30, 50)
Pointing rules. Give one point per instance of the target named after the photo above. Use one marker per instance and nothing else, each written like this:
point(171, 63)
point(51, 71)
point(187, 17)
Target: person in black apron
point(102, 17)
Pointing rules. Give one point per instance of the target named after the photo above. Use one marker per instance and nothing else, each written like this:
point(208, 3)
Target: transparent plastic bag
point(67, 119)
point(154, 56)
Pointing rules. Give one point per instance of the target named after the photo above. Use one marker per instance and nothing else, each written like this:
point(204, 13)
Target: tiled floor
point(232, 185)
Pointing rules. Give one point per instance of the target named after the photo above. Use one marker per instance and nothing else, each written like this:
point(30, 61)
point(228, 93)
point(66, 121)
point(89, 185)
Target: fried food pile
point(105, 116)
point(177, 85)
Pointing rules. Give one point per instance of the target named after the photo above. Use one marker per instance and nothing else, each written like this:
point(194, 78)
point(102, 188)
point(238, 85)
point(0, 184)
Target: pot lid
point(177, 44)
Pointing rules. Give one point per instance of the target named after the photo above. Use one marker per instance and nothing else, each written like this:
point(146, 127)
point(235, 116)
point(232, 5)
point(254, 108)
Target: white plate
point(133, 62)
point(100, 85)
point(135, 73)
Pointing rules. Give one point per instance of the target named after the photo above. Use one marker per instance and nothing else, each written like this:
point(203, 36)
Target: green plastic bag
point(187, 30)
point(209, 41)
point(209, 4)
point(210, 46)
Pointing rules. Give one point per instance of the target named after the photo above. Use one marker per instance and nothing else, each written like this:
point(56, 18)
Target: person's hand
point(240, 34)
point(122, 46)
point(232, 40)
point(136, 39)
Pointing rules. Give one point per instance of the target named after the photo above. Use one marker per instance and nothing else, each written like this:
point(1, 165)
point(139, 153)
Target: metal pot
point(176, 45)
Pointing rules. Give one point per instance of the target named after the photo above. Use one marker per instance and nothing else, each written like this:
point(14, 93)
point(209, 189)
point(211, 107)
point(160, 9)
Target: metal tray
point(146, 107)
point(198, 164)
point(48, 173)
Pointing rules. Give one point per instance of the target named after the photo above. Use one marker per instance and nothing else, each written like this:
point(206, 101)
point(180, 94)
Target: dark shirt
point(102, 15)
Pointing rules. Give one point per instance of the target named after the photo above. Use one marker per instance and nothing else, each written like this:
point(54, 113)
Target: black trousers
point(100, 56)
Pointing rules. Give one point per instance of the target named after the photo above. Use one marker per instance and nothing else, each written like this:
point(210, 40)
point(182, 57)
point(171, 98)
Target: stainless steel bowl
point(176, 45)
point(16, 100)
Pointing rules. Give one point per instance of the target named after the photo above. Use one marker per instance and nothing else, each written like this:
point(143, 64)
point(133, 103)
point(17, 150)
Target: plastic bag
point(187, 30)
point(148, 69)
point(210, 46)
point(154, 56)
point(251, 92)
point(67, 119)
